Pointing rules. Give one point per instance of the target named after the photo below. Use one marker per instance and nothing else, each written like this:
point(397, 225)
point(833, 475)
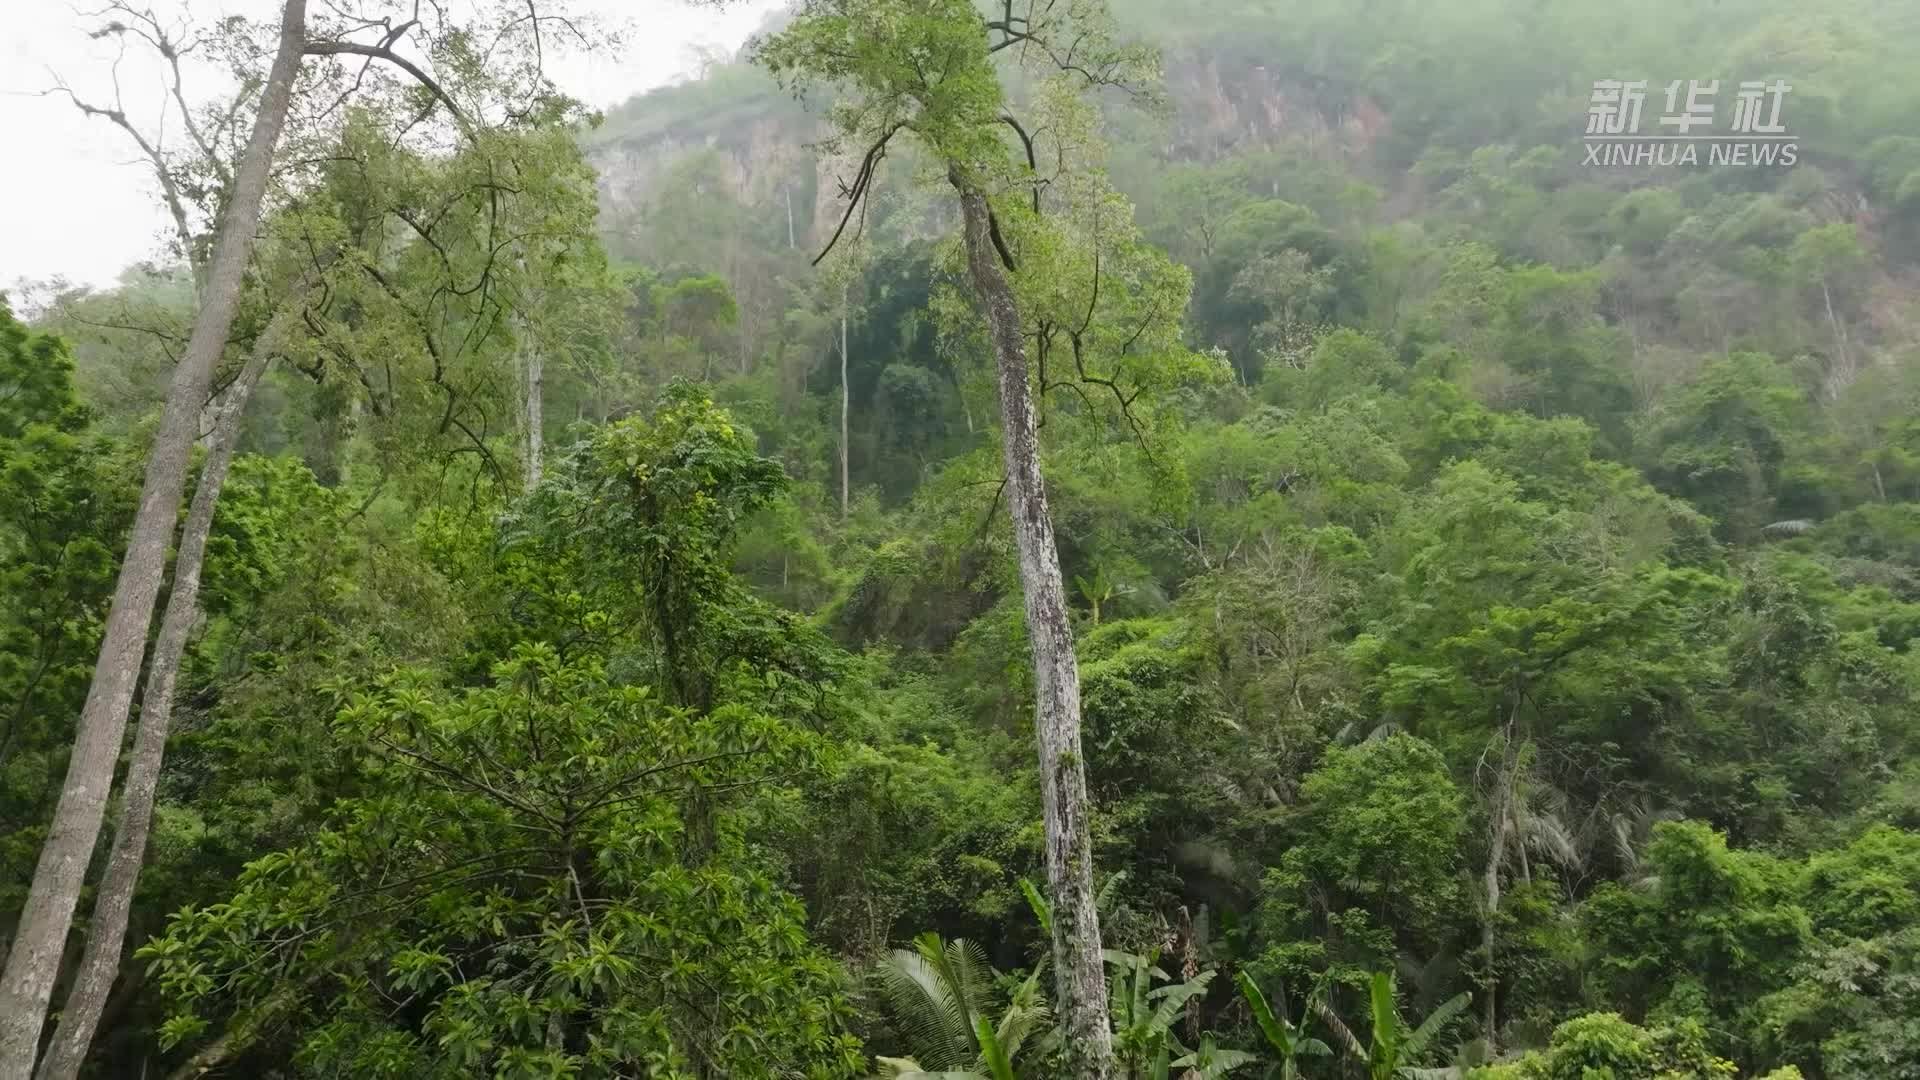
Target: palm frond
point(1621, 829)
point(921, 1007)
point(1385, 729)
point(929, 992)
point(963, 965)
point(909, 1069)
point(1548, 835)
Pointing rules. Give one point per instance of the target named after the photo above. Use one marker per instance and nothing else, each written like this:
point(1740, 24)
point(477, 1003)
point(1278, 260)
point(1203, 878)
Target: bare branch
point(1033, 163)
point(862, 182)
point(170, 191)
point(999, 241)
point(171, 49)
point(384, 52)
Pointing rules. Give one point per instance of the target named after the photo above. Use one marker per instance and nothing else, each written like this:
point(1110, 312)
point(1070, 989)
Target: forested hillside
point(1009, 540)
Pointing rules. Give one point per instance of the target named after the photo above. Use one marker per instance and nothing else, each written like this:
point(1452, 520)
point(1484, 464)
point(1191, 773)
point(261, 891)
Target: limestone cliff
point(768, 145)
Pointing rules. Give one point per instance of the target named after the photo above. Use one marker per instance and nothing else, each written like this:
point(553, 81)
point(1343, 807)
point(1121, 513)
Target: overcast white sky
point(75, 200)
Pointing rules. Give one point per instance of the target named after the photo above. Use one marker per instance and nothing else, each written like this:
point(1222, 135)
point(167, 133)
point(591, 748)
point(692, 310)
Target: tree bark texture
point(107, 930)
point(1080, 982)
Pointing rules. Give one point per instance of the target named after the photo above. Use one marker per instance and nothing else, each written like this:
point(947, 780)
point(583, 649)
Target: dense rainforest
point(1029, 538)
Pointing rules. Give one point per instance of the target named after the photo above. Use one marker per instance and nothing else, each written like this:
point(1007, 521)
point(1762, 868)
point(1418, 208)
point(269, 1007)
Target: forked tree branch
point(862, 183)
point(1033, 162)
point(169, 190)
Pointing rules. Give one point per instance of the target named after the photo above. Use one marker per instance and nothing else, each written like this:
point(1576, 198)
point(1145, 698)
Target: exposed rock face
point(629, 171)
point(1225, 106)
point(770, 155)
point(762, 160)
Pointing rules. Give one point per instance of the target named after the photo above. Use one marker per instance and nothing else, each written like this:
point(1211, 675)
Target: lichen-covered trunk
point(1080, 980)
point(107, 930)
point(34, 961)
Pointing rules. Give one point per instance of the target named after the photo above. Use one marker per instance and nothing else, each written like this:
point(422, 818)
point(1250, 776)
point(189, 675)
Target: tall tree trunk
point(1495, 857)
point(535, 418)
point(107, 931)
point(1843, 375)
point(536, 396)
point(846, 405)
point(1503, 819)
point(34, 961)
point(1080, 982)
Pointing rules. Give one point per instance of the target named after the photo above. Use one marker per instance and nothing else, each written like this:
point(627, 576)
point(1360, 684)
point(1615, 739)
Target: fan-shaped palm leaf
point(932, 992)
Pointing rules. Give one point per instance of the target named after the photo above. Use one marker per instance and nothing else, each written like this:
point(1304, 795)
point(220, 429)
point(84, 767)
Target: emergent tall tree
point(926, 68)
